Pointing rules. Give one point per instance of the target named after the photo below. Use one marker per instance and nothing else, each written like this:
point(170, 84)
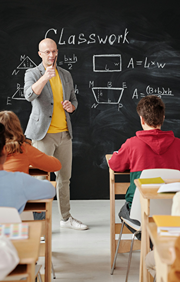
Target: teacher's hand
point(50, 72)
point(68, 106)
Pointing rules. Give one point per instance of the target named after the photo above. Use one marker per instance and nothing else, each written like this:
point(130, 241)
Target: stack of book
point(14, 230)
point(149, 182)
point(167, 225)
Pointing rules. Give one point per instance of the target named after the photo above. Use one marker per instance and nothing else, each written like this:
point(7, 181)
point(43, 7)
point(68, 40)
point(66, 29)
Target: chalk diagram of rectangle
point(107, 63)
point(19, 94)
point(107, 95)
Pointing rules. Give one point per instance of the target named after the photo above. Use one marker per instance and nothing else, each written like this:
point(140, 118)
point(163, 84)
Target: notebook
point(14, 231)
point(167, 225)
point(170, 187)
point(148, 182)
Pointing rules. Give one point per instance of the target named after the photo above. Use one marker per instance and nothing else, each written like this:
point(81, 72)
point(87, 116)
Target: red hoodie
point(148, 149)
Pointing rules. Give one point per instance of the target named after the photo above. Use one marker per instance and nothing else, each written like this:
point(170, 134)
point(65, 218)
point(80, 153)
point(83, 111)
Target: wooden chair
point(119, 183)
point(157, 207)
point(137, 229)
point(29, 215)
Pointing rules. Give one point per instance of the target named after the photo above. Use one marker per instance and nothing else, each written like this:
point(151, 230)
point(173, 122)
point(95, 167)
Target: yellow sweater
point(58, 121)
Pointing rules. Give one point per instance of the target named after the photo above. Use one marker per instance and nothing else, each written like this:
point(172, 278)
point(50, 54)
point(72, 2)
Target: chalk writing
point(107, 63)
point(76, 90)
point(93, 38)
point(146, 63)
point(69, 60)
point(25, 64)
point(159, 91)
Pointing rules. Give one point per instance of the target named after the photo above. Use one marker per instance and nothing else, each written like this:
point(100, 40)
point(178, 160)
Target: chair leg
point(39, 277)
point(53, 272)
point(115, 257)
point(130, 254)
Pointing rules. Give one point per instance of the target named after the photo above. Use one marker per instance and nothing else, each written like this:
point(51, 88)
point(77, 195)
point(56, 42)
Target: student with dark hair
point(16, 188)
point(150, 148)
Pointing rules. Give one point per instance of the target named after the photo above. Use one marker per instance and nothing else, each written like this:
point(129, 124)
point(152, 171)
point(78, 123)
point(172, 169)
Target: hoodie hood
point(158, 140)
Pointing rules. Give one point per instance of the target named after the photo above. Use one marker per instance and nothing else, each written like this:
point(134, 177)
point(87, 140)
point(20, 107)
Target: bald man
point(50, 90)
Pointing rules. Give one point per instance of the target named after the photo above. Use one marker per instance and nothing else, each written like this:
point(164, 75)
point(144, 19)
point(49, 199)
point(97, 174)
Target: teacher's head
point(13, 131)
point(48, 51)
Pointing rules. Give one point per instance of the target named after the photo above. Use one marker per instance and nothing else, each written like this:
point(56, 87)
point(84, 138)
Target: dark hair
point(152, 109)
point(2, 138)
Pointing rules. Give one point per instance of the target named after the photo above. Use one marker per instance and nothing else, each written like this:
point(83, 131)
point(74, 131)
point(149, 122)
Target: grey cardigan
point(42, 105)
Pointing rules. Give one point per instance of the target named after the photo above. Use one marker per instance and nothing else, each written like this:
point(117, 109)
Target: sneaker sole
point(63, 226)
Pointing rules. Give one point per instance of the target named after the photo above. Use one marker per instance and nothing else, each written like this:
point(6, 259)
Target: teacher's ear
point(39, 53)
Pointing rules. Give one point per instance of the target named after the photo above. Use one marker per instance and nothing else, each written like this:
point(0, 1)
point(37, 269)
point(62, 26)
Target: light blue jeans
point(59, 145)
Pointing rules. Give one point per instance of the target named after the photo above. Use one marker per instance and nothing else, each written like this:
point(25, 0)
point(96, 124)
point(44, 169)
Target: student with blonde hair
point(20, 153)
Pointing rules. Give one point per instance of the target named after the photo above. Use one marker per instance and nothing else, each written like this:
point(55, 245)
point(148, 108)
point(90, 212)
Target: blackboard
point(116, 51)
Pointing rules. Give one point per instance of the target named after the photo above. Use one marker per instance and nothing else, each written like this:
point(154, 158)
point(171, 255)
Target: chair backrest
point(164, 173)
point(156, 206)
point(9, 215)
point(176, 204)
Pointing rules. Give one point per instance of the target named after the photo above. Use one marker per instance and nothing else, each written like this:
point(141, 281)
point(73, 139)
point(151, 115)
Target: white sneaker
point(73, 223)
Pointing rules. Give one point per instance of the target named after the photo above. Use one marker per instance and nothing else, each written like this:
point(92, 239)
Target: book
point(14, 230)
point(154, 181)
point(167, 225)
point(169, 188)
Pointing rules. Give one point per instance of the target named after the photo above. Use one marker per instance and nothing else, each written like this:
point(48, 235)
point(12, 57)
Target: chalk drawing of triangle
point(26, 64)
point(19, 94)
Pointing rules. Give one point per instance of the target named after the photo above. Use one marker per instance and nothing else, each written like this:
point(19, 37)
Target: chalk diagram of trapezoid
point(107, 63)
point(107, 95)
point(24, 65)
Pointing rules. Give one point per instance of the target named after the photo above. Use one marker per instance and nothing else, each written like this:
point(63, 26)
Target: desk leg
point(31, 272)
point(48, 241)
point(142, 242)
point(112, 221)
point(145, 209)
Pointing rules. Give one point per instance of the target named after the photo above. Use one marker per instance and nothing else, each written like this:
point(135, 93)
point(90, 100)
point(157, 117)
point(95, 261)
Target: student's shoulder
point(14, 177)
point(26, 147)
point(177, 139)
point(133, 139)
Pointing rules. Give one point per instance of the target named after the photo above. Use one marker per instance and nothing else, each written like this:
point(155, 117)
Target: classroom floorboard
point(80, 256)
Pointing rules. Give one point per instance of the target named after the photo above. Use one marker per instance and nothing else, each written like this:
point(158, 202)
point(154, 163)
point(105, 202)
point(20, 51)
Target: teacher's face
point(48, 52)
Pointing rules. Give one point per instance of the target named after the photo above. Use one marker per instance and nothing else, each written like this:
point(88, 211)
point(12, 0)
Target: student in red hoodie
point(150, 148)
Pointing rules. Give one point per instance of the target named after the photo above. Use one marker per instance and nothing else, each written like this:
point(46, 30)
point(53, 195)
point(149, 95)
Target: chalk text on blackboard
point(81, 38)
point(146, 63)
point(25, 64)
point(69, 60)
point(159, 91)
